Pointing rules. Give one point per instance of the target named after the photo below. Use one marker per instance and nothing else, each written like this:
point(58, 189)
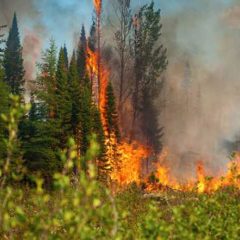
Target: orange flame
point(202, 184)
point(128, 169)
point(98, 6)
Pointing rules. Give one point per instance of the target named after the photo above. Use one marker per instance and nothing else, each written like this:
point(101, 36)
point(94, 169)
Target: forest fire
point(202, 183)
point(126, 159)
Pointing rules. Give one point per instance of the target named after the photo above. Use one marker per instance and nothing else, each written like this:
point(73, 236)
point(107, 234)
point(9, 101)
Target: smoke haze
point(201, 112)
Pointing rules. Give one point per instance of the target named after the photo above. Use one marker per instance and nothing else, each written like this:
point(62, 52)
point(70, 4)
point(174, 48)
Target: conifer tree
point(103, 164)
point(81, 56)
point(40, 143)
point(150, 61)
point(46, 82)
point(63, 99)
point(65, 56)
point(111, 112)
point(85, 115)
point(40, 131)
point(13, 61)
point(92, 40)
point(75, 91)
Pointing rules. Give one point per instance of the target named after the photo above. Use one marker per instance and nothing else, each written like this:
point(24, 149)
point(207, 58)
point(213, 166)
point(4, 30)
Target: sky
point(61, 19)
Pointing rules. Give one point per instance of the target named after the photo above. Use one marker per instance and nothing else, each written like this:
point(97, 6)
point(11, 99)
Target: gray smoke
point(202, 89)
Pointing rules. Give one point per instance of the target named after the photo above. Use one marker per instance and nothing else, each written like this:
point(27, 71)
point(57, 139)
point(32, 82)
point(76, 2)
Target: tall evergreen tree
point(66, 56)
point(46, 82)
point(81, 56)
point(150, 62)
point(40, 131)
point(13, 61)
point(63, 98)
point(111, 112)
point(75, 91)
point(85, 114)
point(92, 40)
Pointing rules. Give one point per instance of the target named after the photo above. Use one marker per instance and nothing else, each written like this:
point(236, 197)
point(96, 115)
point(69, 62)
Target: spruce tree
point(111, 112)
point(65, 56)
point(63, 99)
point(92, 40)
point(46, 82)
point(85, 115)
point(13, 61)
point(75, 91)
point(81, 56)
point(103, 164)
point(40, 131)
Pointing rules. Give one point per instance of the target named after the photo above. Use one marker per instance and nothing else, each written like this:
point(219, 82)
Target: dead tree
point(122, 39)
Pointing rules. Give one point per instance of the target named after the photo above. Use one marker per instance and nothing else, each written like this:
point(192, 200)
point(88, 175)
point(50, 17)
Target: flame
point(126, 160)
point(202, 183)
point(98, 6)
point(130, 163)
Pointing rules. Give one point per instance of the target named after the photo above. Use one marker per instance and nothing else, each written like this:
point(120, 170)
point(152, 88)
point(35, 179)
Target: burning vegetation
point(89, 156)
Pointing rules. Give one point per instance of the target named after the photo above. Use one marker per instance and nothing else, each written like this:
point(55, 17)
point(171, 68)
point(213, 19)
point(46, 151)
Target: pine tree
point(92, 40)
point(40, 134)
point(103, 164)
point(111, 112)
point(81, 56)
point(13, 61)
point(85, 115)
point(152, 132)
point(63, 99)
point(46, 82)
point(150, 61)
point(40, 143)
point(75, 91)
point(65, 56)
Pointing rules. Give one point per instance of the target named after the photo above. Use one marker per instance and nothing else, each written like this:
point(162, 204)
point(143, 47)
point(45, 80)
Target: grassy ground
point(89, 211)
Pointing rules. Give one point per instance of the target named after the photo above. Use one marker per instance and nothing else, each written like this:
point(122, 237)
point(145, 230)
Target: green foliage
point(63, 99)
point(12, 164)
point(111, 112)
point(150, 61)
point(65, 56)
point(81, 55)
point(13, 61)
point(4, 108)
point(46, 82)
point(205, 217)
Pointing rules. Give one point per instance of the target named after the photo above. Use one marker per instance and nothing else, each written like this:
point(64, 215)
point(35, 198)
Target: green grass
point(87, 210)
